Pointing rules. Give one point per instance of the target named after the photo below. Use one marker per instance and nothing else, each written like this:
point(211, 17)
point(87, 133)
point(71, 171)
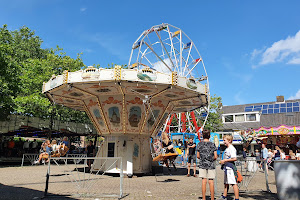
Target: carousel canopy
point(276, 131)
point(128, 101)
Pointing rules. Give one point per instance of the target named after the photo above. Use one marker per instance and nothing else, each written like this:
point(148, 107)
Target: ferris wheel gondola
point(168, 49)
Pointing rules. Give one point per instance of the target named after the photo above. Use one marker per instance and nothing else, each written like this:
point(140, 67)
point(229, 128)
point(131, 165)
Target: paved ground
point(29, 183)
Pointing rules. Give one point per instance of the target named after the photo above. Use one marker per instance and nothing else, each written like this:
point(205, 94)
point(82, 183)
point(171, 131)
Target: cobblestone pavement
point(29, 183)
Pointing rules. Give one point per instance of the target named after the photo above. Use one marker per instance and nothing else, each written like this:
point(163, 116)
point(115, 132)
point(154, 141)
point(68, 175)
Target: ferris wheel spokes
point(162, 44)
point(172, 47)
point(158, 56)
point(187, 60)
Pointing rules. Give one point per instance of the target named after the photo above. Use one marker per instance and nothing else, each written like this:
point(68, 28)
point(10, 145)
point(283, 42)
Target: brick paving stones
point(29, 183)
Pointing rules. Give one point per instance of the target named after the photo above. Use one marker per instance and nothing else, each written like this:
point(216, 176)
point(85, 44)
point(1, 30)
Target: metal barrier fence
point(32, 157)
point(78, 180)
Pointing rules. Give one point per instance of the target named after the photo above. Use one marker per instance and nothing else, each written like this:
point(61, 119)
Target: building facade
point(253, 116)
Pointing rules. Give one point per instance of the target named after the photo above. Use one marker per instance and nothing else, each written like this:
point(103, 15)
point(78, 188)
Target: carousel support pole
point(47, 180)
point(216, 181)
point(51, 121)
point(95, 143)
point(266, 175)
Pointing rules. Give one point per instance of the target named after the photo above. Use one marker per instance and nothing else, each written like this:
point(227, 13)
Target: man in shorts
point(191, 146)
point(207, 153)
point(229, 174)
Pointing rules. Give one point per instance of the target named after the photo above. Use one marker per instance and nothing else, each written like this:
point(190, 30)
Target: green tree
point(24, 67)
point(214, 121)
point(15, 47)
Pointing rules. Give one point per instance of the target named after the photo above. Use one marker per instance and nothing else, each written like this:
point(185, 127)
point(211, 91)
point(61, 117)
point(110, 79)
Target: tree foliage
point(214, 121)
point(24, 67)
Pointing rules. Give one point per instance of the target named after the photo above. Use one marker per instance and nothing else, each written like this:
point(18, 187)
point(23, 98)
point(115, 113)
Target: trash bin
point(251, 164)
point(287, 175)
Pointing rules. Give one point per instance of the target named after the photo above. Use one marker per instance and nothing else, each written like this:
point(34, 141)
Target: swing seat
point(164, 157)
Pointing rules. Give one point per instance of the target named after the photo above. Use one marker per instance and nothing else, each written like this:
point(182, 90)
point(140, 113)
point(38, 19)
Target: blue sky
point(251, 49)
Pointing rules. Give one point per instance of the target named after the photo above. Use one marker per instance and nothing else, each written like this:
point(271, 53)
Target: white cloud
point(161, 67)
point(297, 96)
point(287, 50)
point(255, 53)
point(294, 60)
point(83, 9)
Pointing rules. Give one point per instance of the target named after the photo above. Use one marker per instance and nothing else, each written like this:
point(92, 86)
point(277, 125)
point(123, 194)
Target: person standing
point(277, 153)
point(26, 146)
point(10, 146)
point(264, 152)
point(34, 146)
point(191, 146)
point(245, 156)
point(207, 153)
point(230, 171)
point(90, 149)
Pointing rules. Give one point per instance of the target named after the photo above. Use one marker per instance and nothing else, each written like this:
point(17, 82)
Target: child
point(229, 168)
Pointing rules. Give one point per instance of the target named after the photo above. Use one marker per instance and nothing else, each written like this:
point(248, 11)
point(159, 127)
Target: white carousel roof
point(126, 101)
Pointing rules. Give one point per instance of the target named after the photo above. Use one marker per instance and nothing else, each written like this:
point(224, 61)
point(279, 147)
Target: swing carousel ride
point(128, 106)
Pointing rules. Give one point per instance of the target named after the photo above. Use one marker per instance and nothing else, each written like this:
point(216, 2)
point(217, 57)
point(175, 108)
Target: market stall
point(283, 136)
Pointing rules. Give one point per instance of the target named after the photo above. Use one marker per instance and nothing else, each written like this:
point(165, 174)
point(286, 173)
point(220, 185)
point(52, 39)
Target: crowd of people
point(206, 152)
point(9, 147)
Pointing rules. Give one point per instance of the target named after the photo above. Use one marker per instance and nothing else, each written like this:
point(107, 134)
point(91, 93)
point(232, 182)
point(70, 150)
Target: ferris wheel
point(166, 48)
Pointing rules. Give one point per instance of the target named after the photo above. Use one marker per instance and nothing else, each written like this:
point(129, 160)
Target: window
point(239, 118)
point(251, 117)
point(228, 118)
point(111, 150)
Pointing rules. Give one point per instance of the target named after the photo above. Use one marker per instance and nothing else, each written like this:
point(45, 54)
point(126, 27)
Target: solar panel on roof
point(270, 111)
point(282, 105)
point(276, 110)
point(289, 104)
point(296, 104)
point(276, 106)
point(258, 106)
point(295, 109)
point(248, 108)
point(271, 106)
point(282, 110)
point(256, 109)
point(265, 106)
point(289, 110)
point(264, 112)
